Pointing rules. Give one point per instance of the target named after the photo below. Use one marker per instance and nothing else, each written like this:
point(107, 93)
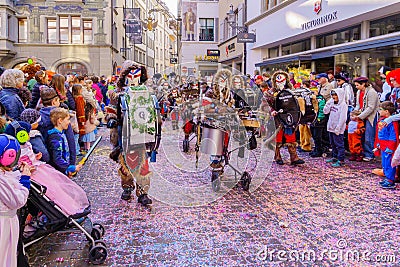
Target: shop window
point(72, 67)
point(296, 47)
point(273, 52)
point(384, 26)
point(206, 30)
point(339, 37)
point(22, 30)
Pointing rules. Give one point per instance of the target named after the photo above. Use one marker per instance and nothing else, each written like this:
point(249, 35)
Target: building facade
point(319, 35)
point(84, 37)
point(199, 38)
point(232, 54)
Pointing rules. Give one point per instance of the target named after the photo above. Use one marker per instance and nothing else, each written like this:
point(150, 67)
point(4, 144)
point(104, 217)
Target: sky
point(172, 5)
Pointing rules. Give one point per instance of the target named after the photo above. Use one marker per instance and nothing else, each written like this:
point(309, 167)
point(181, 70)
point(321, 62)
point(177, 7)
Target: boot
point(126, 195)
point(294, 158)
point(192, 37)
point(144, 200)
point(188, 39)
point(278, 157)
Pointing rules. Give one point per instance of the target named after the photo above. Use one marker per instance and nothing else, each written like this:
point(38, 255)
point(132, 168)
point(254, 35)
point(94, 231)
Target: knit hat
point(16, 129)
point(30, 115)
point(11, 146)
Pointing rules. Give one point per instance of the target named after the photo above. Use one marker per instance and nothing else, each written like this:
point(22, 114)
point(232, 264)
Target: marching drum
point(296, 107)
point(142, 120)
point(213, 141)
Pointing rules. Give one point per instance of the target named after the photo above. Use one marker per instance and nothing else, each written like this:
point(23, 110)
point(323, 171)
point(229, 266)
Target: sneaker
point(353, 157)
point(126, 195)
point(337, 164)
point(387, 184)
point(382, 182)
point(332, 160)
point(368, 159)
point(144, 200)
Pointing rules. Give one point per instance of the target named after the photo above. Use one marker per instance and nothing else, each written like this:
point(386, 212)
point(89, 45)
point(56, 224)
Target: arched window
point(72, 68)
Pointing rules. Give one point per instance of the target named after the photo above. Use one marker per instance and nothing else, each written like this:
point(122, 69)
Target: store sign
point(206, 58)
point(319, 21)
point(230, 48)
point(213, 52)
point(317, 6)
point(246, 37)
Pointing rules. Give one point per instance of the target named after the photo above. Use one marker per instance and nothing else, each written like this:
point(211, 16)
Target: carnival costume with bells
point(286, 136)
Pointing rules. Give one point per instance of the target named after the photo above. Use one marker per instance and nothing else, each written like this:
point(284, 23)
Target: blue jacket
point(12, 103)
point(71, 101)
point(59, 152)
point(35, 95)
point(38, 145)
point(45, 125)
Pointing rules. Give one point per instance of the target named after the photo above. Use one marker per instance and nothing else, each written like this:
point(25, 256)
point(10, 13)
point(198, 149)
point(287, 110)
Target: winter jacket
point(12, 102)
point(38, 145)
point(349, 93)
point(338, 113)
point(70, 101)
point(45, 125)
point(103, 90)
point(371, 104)
point(325, 90)
point(80, 113)
point(59, 151)
point(35, 95)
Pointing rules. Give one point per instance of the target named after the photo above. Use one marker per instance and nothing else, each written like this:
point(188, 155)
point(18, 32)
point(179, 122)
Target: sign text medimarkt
point(319, 21)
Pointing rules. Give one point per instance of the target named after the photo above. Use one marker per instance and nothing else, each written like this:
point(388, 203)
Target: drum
point(296, 107)
point(141, 120)
point(213, 141)
point(246, 98)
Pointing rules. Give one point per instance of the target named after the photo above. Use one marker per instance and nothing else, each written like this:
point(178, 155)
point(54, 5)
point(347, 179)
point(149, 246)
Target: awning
point(284, 60)
point(395, 40)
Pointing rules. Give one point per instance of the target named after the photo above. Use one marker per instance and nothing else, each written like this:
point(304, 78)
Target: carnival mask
point(280, 81)
point(236, 83)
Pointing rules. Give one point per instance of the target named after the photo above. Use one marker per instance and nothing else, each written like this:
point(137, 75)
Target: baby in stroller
point(55, 200)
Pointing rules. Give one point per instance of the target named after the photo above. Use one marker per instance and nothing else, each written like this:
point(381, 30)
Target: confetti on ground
point(310, 207)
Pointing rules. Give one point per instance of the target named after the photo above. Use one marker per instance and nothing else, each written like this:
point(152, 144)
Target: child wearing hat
point(14, 191)
point(32, 116)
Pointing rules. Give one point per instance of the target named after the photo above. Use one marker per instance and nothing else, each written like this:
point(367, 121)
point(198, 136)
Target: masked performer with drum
point(133, 159)
point(286, 110)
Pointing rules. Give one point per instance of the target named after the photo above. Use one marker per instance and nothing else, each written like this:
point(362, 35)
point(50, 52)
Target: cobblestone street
point(300, 210)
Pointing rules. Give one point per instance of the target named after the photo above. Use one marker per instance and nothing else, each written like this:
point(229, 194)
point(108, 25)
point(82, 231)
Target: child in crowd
point(51, 101)
point(90, 126)
point(25, 95)
point(386, 142)
point(337, 108)
point(80, 114)
point(32, 116)
point(355, 131)
point(57, 142)
point(14, 191)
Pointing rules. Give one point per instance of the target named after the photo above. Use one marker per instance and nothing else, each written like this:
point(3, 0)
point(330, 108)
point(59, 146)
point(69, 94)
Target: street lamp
point(232, 21)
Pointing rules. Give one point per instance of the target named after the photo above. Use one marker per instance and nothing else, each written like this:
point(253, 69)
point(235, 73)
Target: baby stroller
point(50, 201)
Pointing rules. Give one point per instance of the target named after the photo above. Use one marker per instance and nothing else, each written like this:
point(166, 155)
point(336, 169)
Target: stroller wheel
point(96, 233)
point(245, 181)
point(100, 227)
point(98, 242)
point(97, 254)
point(216, 181)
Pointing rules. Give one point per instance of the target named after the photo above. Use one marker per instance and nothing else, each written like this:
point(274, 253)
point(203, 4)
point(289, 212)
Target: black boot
point(192, 37)
point(188, 39)
point(126, 195)
point(144, 200)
